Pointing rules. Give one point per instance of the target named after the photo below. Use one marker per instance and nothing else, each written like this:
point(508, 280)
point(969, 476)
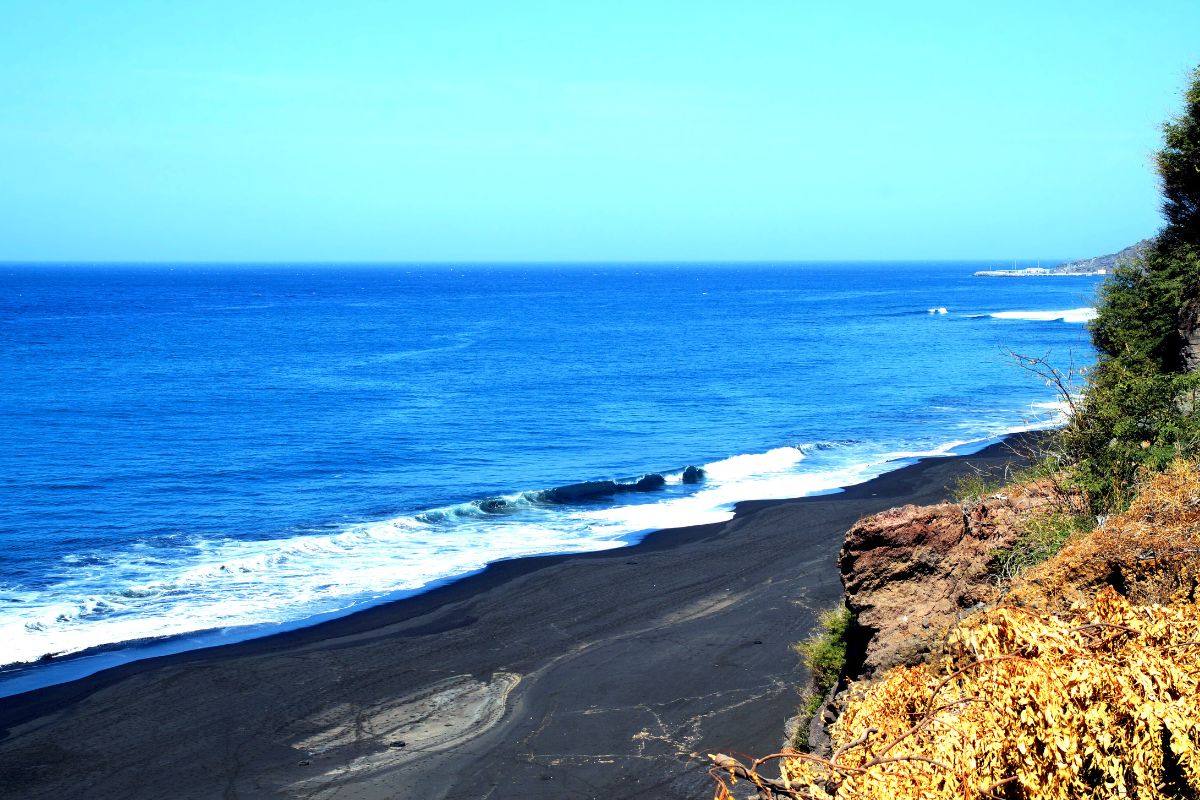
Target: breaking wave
point(150, 592)
point(1084, 314)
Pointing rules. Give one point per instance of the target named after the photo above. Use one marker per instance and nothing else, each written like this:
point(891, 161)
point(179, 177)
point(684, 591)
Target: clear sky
point(561, 130)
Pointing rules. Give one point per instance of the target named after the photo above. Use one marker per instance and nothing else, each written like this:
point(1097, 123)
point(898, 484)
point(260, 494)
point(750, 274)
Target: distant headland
point(1100, 265)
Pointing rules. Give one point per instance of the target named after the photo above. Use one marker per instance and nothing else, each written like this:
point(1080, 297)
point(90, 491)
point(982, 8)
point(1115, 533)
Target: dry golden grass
point(1084, 684)
point(1150, 553)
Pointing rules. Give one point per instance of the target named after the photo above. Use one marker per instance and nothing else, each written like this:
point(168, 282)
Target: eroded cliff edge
point(911, 572)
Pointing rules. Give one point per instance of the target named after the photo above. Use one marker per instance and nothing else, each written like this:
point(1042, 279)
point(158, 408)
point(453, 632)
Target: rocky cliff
point(913, 571)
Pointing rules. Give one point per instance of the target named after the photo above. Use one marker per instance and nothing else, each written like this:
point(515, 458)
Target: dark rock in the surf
point(578, 492)
point(493, 505)
point(591, 490)
point(693, 475)
point(650, 483)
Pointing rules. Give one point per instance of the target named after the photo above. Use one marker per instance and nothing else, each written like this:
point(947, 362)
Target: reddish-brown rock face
point(910, 572)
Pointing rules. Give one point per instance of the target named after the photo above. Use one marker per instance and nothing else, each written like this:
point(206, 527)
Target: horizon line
point(514, 262)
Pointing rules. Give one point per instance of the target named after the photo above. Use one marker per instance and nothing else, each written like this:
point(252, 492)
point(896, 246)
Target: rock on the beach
point(911, 572)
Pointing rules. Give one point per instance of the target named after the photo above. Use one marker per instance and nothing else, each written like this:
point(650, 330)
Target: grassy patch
point(973, 487)
point(1045, 535)
point(1044, 465)
point(824, 654)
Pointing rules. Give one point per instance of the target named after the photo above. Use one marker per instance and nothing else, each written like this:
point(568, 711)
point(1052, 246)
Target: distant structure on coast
point(1100, 265)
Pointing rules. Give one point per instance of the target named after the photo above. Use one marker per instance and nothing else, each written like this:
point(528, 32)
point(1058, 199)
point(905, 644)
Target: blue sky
point(396, 131)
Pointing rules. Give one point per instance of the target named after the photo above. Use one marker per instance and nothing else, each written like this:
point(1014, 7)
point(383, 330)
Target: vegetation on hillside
point(1085, 681)
point(1045, 535)
point(1083, 684)
point(1074, 705)
point(824, 655)
point(1139, 410)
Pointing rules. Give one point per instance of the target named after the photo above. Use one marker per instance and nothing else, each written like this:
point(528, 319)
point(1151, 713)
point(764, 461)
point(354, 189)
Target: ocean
point(192, 455)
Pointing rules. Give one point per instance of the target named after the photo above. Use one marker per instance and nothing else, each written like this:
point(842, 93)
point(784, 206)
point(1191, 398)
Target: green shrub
point(974, 486)
point(1140, 409)
point(824, 654)
point(1134, 420)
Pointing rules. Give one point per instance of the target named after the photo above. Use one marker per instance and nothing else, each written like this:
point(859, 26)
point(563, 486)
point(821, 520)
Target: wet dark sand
point(568, 676)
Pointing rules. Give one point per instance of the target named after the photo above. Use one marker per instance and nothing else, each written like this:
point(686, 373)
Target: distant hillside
point(1105, 263)
point(1099, 265)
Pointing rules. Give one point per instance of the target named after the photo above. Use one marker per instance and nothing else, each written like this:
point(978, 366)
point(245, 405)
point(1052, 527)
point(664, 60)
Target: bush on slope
point(1037, 698)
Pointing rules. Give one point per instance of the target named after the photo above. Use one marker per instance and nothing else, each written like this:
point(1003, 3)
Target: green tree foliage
point(1142, 305)
point(1139, 313)
point(1140, 406)
point(1179, 168)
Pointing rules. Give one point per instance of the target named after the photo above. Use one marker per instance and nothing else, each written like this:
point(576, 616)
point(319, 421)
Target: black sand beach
point(583, 676)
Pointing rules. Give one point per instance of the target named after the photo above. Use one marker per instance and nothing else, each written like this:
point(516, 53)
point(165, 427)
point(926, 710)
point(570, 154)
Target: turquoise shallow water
point(189, 449)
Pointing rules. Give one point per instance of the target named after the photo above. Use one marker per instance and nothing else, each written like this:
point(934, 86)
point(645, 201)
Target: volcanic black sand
point(594, 675)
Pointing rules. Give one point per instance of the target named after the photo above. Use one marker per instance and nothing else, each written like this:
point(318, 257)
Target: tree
point(1139, 410)
point(1179, 169)
point(1146, 303)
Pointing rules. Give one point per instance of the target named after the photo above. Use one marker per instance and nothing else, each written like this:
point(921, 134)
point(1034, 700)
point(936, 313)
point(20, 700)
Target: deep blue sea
point(212, 452)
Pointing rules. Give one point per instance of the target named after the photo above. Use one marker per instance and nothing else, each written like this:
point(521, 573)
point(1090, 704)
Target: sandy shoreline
point(561, 676)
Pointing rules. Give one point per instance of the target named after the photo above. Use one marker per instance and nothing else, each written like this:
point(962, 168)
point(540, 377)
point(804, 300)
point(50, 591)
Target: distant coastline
point(1099, 265)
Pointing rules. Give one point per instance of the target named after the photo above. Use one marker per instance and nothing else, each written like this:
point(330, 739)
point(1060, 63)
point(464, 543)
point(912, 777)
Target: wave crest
point(1084, 314)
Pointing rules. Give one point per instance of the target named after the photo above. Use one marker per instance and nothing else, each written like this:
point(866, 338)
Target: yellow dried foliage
point(1069, 690)
point(1101, 702)
point(1152, 551)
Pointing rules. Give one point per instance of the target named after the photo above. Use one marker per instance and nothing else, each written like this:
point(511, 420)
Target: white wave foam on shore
point(146, 592)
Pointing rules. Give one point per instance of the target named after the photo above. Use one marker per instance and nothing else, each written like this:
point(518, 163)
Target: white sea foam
point(1066, 315)
point(754, 464)
point(1057, 410)
point(145, 592)
point(232, 582)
